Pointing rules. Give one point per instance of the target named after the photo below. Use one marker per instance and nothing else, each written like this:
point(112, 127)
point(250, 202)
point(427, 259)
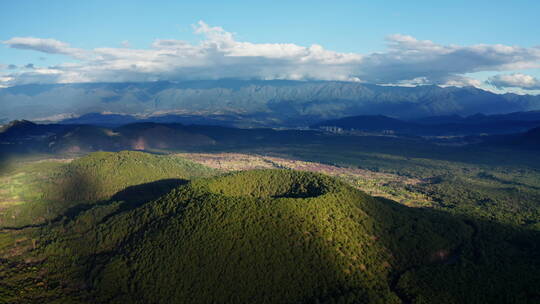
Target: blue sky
point(358, 27)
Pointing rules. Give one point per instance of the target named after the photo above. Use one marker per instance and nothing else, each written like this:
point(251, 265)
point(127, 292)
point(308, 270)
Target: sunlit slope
point(280, 236)
point(35, 192)
point(270, 236)
point(253, 237)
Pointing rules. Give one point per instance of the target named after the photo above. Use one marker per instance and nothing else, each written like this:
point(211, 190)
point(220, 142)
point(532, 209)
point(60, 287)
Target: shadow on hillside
point(439, 254)
point(288, 252)
point(131, 197)
point(73, 195)
point(242, 256)
point(149, 191)
point(433, 255)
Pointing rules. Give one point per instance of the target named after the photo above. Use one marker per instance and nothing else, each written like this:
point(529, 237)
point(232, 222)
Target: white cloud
point(4, 80)
point(461, 81)
point(50, 46)
point(516, 80)
point(406, 61)
point(409, 58)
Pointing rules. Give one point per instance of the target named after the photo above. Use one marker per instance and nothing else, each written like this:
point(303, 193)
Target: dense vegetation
point(33, 192)
point(269, 236)
point(495, 180)
point(116, 227)
point(495, 183)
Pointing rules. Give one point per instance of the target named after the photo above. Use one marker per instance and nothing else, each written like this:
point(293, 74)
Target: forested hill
point(269, 236)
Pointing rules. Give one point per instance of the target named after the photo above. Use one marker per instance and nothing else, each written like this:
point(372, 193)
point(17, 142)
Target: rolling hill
point(270, 236)
point(25, 137)
point(33, 193)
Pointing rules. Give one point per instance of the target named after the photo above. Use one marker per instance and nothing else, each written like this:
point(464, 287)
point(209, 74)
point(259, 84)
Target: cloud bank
point(406, 61)
point(516, 80)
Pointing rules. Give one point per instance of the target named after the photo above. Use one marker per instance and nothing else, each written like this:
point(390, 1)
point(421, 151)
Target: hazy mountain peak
point(281, 100)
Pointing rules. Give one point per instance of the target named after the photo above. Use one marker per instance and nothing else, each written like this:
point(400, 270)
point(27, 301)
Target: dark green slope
point(256, 237)
point(270, 236)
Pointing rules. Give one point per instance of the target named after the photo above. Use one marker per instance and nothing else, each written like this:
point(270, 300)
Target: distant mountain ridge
point(438, 125)
point(526, 140)
point(79, 138)
point(272, 102)
point(114, 120)
point(480, 118)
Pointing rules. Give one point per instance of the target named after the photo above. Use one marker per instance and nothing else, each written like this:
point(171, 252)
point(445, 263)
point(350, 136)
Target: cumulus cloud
point(461, 81)
point(409, 58)
point(515, 80)
point(406, 61)
point(219, 55)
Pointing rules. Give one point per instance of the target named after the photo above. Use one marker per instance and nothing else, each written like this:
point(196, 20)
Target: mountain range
point(259, 102)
